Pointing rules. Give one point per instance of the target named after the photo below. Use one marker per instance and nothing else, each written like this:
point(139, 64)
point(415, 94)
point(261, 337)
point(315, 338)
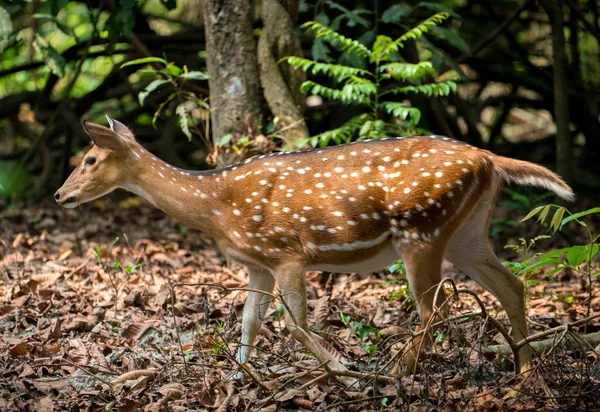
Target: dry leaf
point(288, 394)
point(45, 405)
point(135, 331)
point(321, 312)
point(47, 279)
point(135, 380)
point(19, 349)
point(173, 390)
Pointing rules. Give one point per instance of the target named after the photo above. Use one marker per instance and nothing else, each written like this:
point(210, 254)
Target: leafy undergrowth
point(83, 327)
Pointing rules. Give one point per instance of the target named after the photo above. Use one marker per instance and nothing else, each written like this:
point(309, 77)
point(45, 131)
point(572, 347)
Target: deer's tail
point(530, 174)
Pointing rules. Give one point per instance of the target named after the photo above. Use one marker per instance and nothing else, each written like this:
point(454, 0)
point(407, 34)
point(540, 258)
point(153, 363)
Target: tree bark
point(561, 92)
point(235, 97)
point(281, 82)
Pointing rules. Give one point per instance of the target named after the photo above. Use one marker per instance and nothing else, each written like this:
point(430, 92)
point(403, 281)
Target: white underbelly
point(379, 261)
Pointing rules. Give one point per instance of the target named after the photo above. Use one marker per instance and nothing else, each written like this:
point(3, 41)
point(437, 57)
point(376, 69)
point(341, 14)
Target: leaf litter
point(83, 327)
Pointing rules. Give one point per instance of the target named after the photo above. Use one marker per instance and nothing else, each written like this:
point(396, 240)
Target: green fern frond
point(433, 89)
point(310, 87)
point(335, 71)
point(336, 39)
point(342, 134)
point(349, 94)
point(418, 31)
point(372, 129)
point(407, 71)
point(411, 115)
point(384, 46)
point(358, 80)
point(358, 92)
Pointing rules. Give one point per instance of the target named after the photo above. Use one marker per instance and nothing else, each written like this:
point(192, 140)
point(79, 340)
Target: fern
point(361, 87)
point(336, 39)
point(334, 71)
point(406, 71)
point(342, 134)
point(432, 89)
point(384, 46)
point(400, 111)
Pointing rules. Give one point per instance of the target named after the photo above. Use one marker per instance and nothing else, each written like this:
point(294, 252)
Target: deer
point(351, 208)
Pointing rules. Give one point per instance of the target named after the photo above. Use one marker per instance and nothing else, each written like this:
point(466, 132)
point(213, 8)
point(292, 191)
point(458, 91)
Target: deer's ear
point(103, 137)
point(119, 128)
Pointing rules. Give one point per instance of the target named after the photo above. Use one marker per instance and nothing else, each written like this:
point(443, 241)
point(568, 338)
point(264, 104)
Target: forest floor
point(84, 328)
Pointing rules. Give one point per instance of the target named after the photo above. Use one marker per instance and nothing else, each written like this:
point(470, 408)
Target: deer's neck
point(191, 197)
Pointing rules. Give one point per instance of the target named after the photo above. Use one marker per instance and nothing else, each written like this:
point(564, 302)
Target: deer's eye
point(90, 160)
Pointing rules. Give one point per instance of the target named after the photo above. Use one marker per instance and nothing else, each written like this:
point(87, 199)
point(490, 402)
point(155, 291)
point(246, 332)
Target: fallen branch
point(571, 341)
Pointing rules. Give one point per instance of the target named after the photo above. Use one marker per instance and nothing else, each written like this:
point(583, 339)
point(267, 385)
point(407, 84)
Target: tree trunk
point(280, 82)
point(561, 93)
point(235, 97)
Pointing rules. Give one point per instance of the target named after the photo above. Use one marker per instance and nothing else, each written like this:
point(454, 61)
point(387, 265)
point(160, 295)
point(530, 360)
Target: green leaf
point(195, 75)
point(6, 28)
point(398, 109)
point(539, 265)
point(386, 47)
point(342, 134)
point(395, 13)
point(131, 268)
point(320, 51)
point(226, 138)
point(122, 19)
point(15, 180)
point(578, 215)
point(453, 38)
point(144, 60)
point(383, 48)
point(432, 89)
point(334, 71)
point(407, 71)
point(51, 57)
point(336, 39)
point(576, 255)
point(183, 120)
point(57, 5)
point(592, 249)
point(557, 218)
point(542, 217)
point(353, 16)
point(532, 213)
point(149, 89)
point(172, 70)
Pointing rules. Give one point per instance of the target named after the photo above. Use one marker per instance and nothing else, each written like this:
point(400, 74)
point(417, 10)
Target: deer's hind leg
point(469, 249)
point(423, 262)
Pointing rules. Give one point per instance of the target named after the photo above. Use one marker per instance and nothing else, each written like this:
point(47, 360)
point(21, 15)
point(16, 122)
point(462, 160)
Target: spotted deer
point(350, 208)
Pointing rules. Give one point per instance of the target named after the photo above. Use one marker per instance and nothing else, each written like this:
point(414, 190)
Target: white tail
point(349, 208)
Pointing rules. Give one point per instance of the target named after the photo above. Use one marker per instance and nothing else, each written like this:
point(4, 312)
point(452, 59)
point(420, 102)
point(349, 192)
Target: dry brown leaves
point(78, 335)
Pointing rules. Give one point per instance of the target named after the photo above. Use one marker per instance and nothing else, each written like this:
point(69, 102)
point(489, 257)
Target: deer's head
point(105, 166)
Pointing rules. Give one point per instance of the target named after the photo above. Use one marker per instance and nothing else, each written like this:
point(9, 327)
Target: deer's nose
point(57, 196)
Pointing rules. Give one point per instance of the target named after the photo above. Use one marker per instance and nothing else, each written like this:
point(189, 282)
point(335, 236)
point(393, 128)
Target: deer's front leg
point(292, 288)
point(254, 311)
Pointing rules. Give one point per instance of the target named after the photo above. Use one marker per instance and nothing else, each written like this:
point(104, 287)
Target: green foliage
point(577, 258)
point(366, 334)
point(357, 86)
point(169, 73)
point(51, 57)
point(517, 202)
point(404, 292)
point(336, 39)
point(15, 180)
point(6, 29)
